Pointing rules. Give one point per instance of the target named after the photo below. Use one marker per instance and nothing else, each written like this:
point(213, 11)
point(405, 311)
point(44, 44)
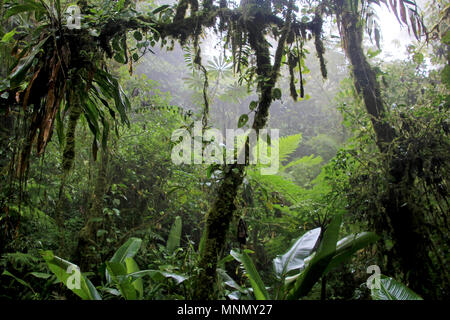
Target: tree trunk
point(406, 225)
point(411, 241)
point(68, 157)
point(219, 217)
point(217, 223)
point(88, 234)
point(364, 76)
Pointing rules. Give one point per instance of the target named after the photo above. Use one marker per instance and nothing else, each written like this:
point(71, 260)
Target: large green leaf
point(59, 267)
point(138, 284)
point(259, 289)
point(22, 282)
point(91, 114)
point(173, 241)
point(227, 280)
point(8, 36)
point(117, 273)
point(17, 76)
point(116, 268)
point(40, 275)
point(110, 88)
point(347, 246)
point(316, 268)
point(127, 250)
point(391, 289)
point(179, 278)
point(230, 258)
point(157, 275)
point(294, 258)
point(27, 6)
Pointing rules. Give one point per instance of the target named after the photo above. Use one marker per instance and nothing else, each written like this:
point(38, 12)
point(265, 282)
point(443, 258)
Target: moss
point(401, 219)
point(69, 149)
point(181, 10)
point(292, 63)
point(221, 214)
point(320, 49)
point(217, 224)
point(365, 79)
point(299, 59)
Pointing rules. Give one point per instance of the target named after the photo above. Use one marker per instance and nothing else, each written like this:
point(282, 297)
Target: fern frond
point(291, 192)
point(19, 259)
point(308, 160)
point(288, 145)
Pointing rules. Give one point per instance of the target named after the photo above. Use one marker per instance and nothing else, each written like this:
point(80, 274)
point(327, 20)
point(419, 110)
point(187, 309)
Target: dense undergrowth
point(106, 198)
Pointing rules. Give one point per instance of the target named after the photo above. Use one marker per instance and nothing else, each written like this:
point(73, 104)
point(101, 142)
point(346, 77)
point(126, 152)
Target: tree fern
point(291, 191)
point(310, 160)
point(284, 146)
point(288, 145)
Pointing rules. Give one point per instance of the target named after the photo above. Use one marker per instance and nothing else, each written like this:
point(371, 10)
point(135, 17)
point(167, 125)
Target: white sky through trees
point(395, 37)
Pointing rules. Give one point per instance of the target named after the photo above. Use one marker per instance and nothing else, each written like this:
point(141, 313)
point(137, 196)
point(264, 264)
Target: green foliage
point(122, 264)
point(78, 79)
point(324, 146)
point(390, 289)
point(288, 145)
point(304, 170)
point(121, 271)
point(173, 241)
point(349, 245)
point(367, 178)
point(22, 282)
point(127, 250)
point(329, 168)
point(70, 275)
point(243, 119)
point(294, 258)
point(259, 290)
point(316, 268)
point(309, 268)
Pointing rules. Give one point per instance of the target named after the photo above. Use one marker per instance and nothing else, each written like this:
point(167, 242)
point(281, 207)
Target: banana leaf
point(59, 267)
point(315, 269)
point(173, 241)
point(293, 259)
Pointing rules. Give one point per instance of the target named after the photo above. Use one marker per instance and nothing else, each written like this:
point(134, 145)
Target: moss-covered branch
point(364, 75)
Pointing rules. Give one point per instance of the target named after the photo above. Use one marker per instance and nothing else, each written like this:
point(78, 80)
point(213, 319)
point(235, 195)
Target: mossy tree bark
point(221, 213)
point(364, 75)
point(68, 154)
point(411, 244)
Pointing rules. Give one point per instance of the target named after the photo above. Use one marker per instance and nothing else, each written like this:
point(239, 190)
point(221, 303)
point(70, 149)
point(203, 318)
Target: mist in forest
point(115, 185)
